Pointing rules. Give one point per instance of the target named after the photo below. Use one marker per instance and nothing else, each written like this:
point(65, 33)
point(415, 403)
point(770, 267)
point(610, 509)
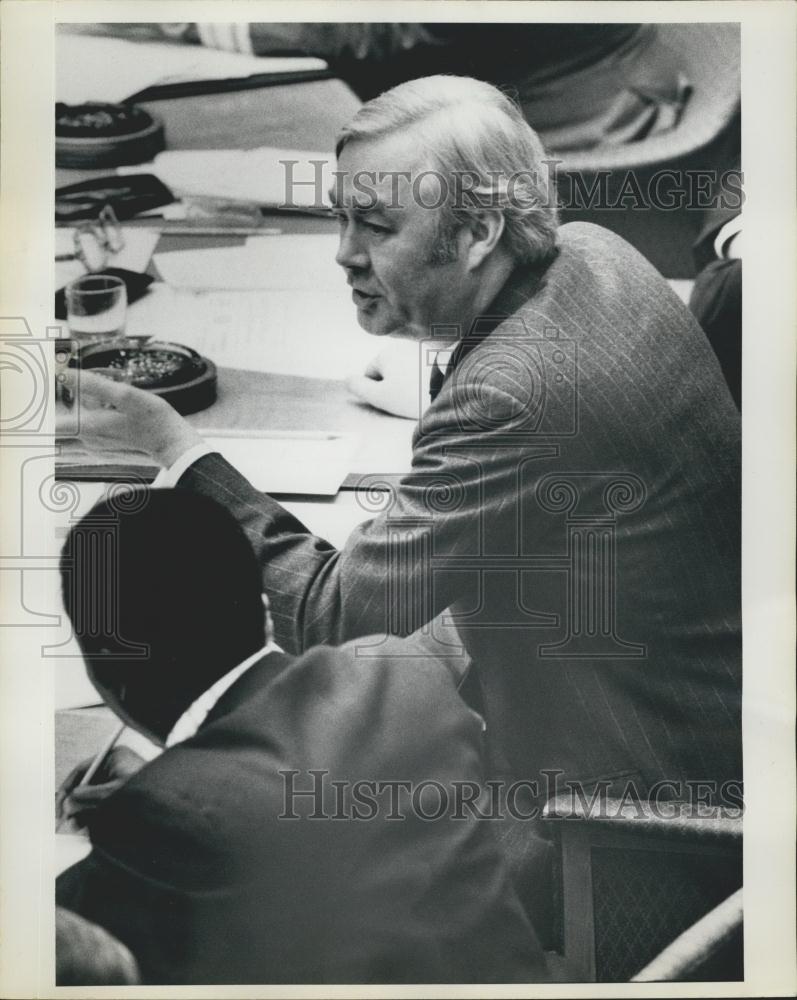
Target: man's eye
point(376, 228)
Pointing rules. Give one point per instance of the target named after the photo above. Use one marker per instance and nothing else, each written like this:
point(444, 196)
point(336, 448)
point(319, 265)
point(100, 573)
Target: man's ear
point(485, 229)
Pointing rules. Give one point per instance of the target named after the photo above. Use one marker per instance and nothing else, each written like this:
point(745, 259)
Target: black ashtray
point(97, 134)
point(176, 373)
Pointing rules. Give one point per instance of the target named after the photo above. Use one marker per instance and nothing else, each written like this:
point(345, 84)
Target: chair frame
point(715, 833)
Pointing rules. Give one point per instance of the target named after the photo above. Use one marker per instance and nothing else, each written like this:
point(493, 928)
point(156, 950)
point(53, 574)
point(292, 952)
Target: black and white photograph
point(391, 463)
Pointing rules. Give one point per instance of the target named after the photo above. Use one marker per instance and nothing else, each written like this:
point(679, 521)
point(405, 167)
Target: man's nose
point(351, 252)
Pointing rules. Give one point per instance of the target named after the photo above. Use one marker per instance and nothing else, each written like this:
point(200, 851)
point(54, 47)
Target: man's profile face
point(389, 239)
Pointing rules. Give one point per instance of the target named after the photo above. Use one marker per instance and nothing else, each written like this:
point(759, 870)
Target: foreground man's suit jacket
point(193, 870)
point(575, 500)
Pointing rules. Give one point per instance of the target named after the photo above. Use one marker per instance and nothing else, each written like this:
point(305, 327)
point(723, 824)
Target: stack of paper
point(277, 178)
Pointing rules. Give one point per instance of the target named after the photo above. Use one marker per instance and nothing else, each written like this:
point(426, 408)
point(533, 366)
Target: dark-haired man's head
point(164, 593)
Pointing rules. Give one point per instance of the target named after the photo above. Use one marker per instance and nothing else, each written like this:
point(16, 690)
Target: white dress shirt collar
point(196, 713)
point(442, 359)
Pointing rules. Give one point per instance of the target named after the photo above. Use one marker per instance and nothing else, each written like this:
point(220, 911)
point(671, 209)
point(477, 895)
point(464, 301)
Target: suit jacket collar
point(521, 285)
point(256, 677)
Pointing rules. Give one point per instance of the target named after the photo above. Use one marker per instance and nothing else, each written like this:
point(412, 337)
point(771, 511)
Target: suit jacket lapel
point(521, 285)
point(255, 678)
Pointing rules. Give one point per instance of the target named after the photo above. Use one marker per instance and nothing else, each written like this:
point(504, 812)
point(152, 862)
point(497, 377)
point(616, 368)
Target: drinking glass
point(96, 308)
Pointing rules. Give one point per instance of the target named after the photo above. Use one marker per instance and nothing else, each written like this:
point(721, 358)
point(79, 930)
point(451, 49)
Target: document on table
point(264, 262)
point(291, 178)
point(313, 333)
point(97, 68)
point(305, 463)
point(301, 462)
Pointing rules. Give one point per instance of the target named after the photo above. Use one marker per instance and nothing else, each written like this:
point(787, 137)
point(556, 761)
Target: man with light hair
point(574, 500)
point(481, 154)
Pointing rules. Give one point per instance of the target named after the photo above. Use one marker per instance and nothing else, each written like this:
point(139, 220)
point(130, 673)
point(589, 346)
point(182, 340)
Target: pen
point(106, 749)
point(95, 764)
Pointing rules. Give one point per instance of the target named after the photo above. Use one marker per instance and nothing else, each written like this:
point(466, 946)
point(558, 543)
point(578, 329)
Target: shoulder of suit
point(594, 269)
point(399, 685)
point(384, 666)
point(589, 243)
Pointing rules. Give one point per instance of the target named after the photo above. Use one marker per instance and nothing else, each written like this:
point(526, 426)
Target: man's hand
point(75, 802)
point(113, 415)
point(393, 381)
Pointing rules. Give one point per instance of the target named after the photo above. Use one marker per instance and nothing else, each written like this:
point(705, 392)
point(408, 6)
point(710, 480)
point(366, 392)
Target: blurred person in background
point(581, 86)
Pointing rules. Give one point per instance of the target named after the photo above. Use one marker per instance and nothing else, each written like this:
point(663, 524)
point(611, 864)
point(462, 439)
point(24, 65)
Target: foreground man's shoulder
point(579, 235)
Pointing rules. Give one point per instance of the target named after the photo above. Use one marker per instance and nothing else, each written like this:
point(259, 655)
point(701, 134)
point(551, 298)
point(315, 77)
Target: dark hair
point(167, 582)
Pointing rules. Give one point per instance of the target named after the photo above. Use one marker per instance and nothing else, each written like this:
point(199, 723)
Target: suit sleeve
point(460, 494)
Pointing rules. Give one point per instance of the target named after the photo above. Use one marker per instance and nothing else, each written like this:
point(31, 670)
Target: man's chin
point(379, 326)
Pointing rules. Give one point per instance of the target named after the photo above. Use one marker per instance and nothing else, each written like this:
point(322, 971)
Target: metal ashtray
point(176, 373)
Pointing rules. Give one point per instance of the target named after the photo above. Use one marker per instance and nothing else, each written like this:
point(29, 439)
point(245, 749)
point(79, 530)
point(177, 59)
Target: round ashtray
point(177, 373)
point(96, 134)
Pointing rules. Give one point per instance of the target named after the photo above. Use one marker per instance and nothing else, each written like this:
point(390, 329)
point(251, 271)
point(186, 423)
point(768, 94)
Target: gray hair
point(474, 135)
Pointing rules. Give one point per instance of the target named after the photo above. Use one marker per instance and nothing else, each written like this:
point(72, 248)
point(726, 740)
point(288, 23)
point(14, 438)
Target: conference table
point(282, 350)
point(281, 353)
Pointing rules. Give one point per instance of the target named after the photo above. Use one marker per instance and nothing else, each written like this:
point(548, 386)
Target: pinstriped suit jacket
point(574, 502)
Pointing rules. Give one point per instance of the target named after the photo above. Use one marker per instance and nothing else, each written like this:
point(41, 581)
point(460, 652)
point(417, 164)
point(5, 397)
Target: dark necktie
point(436, 382)
point(483, 326)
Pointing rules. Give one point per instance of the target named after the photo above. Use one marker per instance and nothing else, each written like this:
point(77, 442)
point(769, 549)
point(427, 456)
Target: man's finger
point(68, 785)
point(122, 763)
point(99, 426)
point(367, 389)
point(102, 390)
point(76, 821)
point(73, 777)
point(66, 377)
point(374, 370)
point(76, 812)
point(65, 425)
point(86, 796)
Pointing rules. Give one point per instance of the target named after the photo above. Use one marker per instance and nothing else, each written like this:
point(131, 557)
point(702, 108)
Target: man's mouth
point(362, 298)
